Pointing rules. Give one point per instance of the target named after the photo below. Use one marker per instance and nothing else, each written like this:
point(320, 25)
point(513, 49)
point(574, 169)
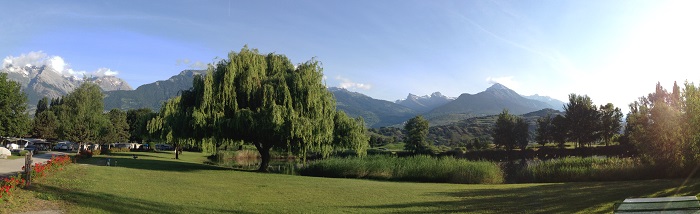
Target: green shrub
point(111, 150)
point(417, 168)
point(23, 153)
point(584, 169)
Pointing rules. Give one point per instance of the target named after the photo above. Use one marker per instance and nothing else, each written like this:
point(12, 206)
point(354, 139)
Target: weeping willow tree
point(260, 99)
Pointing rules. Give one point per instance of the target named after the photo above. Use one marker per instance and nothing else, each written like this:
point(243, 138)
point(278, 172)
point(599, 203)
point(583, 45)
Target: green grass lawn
point(394, 146)
point(157, 183)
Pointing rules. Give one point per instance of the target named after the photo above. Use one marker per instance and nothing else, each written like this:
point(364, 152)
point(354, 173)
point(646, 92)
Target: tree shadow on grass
point(550, 198)
point(139, 154)
point(123, 204)
point(148, 164)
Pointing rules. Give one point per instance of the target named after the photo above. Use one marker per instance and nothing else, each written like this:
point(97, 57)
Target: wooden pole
point(28, 168)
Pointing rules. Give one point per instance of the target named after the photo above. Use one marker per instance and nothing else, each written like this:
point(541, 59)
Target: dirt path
point(11, 167)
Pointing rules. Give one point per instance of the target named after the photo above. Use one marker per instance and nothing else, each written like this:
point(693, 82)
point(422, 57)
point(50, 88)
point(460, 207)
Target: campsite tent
point(4, 151)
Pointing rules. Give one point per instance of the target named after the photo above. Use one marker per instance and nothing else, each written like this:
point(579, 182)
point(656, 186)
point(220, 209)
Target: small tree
point(610, 122)
point(14, 120)
point(350, 133)
point(503, 130)
point(510, 131)
point(416, 135)
point(560, 130)
point(544, 130)
point(583, 119)
point(520, 133)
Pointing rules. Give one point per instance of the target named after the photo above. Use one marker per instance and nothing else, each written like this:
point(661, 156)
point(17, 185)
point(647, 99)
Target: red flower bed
point(8, 185)
point(40, 170)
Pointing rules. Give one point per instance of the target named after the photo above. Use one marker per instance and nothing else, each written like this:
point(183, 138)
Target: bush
point(416, 168)
point(85, 154)
point(96, 152)
point(23, 153)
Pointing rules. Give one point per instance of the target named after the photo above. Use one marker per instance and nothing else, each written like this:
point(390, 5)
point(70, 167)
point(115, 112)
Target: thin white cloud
point(348, 84)
point(198, 65)
point(105, 72)
point(191, 64)
point(56, 63)
point(507, 81)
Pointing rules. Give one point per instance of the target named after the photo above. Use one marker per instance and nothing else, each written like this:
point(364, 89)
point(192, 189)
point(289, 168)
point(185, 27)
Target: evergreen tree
point(138, 121)
point(117, 131)
point(45, 125)
point(42, 106)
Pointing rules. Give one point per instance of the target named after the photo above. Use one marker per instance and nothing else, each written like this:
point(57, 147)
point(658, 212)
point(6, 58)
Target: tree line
point(78, 117)
point(583, 123)
point(665, 127)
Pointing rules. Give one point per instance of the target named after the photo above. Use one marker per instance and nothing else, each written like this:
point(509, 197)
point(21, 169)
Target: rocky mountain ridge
point(43, 81)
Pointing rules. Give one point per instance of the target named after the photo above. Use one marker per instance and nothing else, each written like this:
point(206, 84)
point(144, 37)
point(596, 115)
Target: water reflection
point(281, 166)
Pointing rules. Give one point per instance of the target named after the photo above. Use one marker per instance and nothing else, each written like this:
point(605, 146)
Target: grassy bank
point(576, 169)
point(156, 183)
point(417, 168)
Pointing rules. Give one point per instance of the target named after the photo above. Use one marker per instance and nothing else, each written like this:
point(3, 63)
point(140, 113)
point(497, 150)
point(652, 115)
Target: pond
point(281, 166)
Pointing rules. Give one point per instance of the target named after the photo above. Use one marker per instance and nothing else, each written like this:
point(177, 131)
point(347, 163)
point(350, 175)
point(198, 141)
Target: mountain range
point(43, 81)
point(422, 104)
point(489, 102)
point(438, 109)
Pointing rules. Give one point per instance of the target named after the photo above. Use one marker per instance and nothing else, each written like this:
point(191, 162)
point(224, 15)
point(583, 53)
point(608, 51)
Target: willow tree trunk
point(177, 153)
point(264, 156)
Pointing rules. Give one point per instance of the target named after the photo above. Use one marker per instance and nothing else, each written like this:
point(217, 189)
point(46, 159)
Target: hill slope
point(556, 104)
point(151, 95)
point(376, 113)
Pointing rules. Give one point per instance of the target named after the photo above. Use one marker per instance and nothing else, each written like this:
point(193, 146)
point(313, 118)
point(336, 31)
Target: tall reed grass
point(417, 168)
point(585, 169)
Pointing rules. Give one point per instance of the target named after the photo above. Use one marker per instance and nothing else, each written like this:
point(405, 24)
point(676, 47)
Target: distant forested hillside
point(151, 95)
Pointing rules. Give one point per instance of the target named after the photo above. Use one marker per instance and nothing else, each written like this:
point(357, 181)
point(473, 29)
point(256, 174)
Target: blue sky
point(613, 51)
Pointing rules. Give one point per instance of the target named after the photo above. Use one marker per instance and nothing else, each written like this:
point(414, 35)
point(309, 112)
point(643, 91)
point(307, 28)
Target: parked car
point(164, 147)
point(63, 146)
point(31, 148)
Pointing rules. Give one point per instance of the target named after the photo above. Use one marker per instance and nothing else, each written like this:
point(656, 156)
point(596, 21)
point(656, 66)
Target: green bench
point(685, 204)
